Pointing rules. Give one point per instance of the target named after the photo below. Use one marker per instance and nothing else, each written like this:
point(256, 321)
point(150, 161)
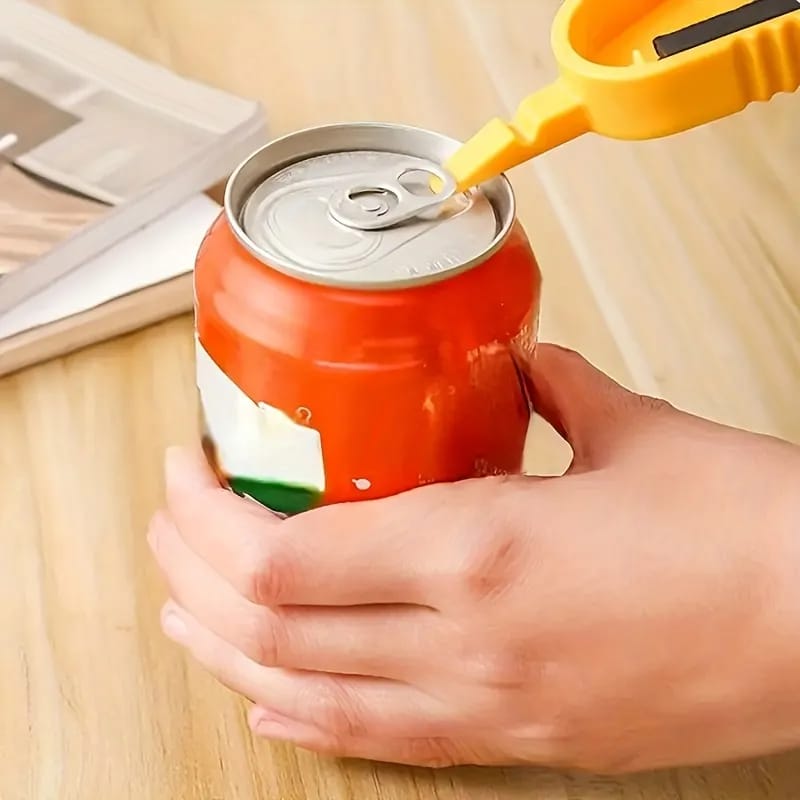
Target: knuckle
point(332, 745)
point(266, 573)
point(548, 737)
point(501, 669)
point(492, 562)
point(562, 728)
point(551, 717)
point(267, 639)
point(605, 762)
point(333, 709)
point(434, 753)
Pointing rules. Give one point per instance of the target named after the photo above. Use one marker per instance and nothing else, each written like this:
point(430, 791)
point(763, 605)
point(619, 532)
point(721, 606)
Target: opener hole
point(420, 182)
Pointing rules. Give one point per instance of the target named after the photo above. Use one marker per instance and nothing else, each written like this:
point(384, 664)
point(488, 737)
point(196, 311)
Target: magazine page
point(113, 123)
point(95, 142)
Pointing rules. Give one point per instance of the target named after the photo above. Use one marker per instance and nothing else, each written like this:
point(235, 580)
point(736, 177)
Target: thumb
point(586, 407)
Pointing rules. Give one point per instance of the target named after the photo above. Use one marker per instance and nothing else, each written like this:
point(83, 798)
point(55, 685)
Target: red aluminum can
point(336, 364)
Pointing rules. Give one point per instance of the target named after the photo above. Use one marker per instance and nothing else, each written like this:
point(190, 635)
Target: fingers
point(345, 706)
point(222, 528)
point(381, 641)
point(435, 752)
point(585, 406)
point(378, 551)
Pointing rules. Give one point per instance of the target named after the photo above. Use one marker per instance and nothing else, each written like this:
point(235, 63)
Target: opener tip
point(490, 152)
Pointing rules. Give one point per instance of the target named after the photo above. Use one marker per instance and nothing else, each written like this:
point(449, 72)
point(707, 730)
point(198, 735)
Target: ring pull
point(387, 201)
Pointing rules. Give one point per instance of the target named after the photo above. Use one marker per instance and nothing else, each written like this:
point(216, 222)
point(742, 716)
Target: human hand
point(641, 611)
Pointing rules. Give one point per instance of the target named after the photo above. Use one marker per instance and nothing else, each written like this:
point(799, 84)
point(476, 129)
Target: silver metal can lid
point(279, 205)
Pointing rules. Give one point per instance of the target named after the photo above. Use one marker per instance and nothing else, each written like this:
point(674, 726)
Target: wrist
point(781, 610)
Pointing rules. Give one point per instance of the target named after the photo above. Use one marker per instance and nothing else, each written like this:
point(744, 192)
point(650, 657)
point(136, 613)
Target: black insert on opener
point(729, 22)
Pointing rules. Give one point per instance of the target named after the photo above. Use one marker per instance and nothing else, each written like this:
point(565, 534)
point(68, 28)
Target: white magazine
point(95, 143)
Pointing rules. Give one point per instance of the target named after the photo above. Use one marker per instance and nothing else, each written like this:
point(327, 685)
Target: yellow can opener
point(642, 69)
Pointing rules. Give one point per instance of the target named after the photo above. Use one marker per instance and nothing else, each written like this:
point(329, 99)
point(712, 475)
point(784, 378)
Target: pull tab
point(385, 200)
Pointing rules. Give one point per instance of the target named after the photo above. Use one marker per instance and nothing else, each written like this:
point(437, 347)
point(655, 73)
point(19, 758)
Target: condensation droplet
point(303, 415)
point(362, 484)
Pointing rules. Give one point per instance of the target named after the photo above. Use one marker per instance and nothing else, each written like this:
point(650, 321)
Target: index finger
point(375, 551)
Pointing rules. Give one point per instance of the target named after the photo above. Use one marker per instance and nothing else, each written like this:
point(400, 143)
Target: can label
point(258, 450)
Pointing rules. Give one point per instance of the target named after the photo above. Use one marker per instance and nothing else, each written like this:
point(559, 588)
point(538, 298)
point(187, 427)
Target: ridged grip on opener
point(618, 85)
point(767, 60)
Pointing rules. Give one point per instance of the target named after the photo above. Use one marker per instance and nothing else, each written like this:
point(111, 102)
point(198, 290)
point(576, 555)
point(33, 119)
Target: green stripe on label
point(283, 498)
point(260, 450)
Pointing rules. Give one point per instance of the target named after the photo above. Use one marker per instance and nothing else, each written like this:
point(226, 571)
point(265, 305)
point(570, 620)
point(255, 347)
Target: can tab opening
point(385, 200)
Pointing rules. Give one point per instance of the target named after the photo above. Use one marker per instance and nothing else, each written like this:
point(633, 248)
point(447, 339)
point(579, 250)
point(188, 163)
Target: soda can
point(339, 363)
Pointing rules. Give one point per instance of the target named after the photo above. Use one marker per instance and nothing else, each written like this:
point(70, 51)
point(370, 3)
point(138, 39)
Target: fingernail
point(270, 724)
point(273, 729)
point(173, 626)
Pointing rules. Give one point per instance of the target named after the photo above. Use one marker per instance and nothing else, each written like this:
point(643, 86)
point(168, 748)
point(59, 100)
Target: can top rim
point(320, 140)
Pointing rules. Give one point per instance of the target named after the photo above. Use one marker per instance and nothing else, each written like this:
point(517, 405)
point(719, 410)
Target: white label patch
point(255, 440)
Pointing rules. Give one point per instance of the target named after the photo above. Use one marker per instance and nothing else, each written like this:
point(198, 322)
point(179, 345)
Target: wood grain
point(673, 265)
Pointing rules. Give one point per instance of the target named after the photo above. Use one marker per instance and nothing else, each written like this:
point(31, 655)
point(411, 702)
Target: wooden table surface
point(673, 265)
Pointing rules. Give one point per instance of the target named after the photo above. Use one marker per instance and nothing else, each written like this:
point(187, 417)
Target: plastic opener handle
point(635, 70)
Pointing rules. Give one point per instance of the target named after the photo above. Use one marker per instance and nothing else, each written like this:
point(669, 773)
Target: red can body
point(404, 386)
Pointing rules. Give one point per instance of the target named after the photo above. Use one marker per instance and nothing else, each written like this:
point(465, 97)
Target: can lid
point(287, 214)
